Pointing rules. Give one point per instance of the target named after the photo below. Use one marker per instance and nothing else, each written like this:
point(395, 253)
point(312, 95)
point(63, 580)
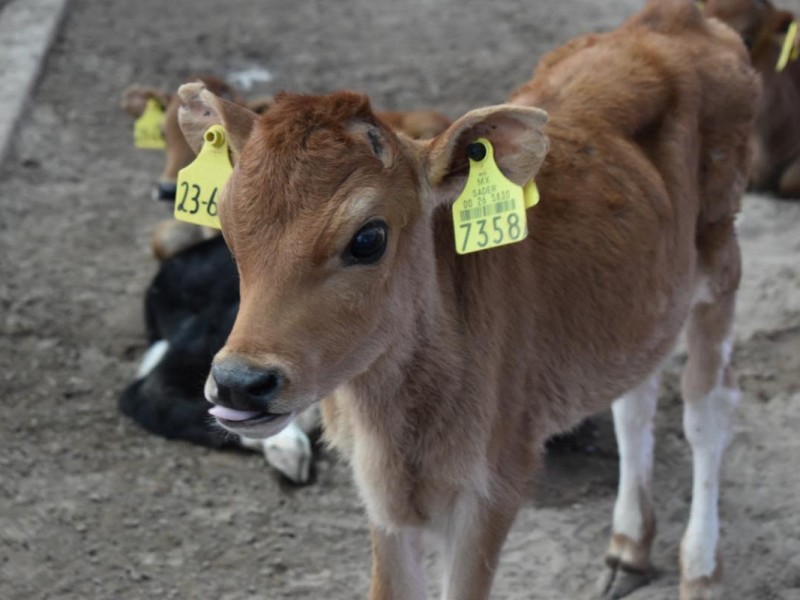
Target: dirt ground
point(92, 507)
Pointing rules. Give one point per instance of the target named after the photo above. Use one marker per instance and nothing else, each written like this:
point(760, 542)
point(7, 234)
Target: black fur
point(191, 303)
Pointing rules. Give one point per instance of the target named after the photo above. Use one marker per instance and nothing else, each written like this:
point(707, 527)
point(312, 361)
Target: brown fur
point(776, 166)
point(445, 374)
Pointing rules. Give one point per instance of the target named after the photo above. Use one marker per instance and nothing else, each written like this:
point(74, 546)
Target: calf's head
point(330, 215)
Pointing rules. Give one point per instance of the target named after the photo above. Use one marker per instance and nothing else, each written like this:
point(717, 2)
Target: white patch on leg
point(399, 552)
point(251, 444)
point(633, 425)
point(151, 358)
point(706, 423)
point(290, 452)
point(458, 527)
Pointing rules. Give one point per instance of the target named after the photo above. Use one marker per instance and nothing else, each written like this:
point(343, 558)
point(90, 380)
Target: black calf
point(190, 304)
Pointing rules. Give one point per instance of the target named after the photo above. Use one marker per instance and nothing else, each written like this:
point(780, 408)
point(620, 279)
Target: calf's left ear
point(200, 109)
point(515, 133)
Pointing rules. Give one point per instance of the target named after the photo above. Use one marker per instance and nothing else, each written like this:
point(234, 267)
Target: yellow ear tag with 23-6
point(789, 51)
point(200, 183)
point(147, 132)
point(490, 212)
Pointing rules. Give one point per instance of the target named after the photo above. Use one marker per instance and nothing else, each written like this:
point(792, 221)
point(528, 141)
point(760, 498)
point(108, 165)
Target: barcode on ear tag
point(147, 131)
point(200, 184)
point(490, 212)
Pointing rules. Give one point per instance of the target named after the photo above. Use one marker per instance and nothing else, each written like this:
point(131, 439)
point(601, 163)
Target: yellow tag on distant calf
point(789, 51)
point(147, 132)
point(490, 212)
point(200, 184)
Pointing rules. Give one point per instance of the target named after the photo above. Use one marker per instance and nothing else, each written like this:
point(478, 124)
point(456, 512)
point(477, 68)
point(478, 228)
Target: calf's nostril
point(265, 385)
point(243, 386)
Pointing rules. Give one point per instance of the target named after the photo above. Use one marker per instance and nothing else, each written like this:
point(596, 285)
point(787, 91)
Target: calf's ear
point(200, 109)
point(515, 133)
point(135, 98)
point(260, 105)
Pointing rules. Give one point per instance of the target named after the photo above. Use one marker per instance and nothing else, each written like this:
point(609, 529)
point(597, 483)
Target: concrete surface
point(27, 28)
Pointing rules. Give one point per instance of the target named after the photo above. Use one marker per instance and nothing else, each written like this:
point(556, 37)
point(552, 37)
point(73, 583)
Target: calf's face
point(329, 215)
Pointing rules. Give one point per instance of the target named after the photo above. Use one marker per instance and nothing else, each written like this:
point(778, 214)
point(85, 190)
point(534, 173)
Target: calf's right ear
point(200, 109)
point(515, 132)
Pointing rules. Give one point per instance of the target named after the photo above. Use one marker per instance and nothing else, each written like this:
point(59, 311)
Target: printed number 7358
point(500, 228)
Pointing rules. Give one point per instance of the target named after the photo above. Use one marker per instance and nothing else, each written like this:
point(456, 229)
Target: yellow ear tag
point(531, 194)
point(789, 50)
point(200, 183)
point(147, 131)
point(490, 212)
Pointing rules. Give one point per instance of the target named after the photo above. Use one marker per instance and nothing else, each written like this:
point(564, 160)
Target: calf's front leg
point(474, 535)
point(397, 571)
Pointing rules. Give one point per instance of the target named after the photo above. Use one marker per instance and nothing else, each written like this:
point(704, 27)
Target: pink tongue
point(231, 414)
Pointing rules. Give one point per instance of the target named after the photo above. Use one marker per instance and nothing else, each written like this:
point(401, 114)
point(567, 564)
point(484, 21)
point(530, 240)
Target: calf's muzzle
point(246, 387)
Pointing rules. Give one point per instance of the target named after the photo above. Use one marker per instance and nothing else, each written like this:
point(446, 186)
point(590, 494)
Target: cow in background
point(763, 27)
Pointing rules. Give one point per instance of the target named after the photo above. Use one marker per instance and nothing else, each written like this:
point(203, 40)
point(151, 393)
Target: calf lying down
point(190, 307)
point(441, 375)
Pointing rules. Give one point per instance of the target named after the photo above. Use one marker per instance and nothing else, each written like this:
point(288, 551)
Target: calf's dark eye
point(368, 244)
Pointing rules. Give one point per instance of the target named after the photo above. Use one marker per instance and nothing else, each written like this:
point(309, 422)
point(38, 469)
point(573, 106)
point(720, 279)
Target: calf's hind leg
point(634, 525)
point(710, 395)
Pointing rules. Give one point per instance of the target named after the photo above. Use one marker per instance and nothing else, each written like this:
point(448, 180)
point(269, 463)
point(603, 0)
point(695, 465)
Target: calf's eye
point(368, 244)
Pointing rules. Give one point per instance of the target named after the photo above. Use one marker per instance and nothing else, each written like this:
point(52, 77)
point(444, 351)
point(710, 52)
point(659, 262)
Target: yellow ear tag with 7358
point(200, 184)
point(789, 51)
point(147, 132)
point(490, 212)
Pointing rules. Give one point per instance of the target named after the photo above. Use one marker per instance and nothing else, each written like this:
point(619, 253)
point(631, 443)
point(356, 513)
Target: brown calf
point(763, 27)
point(444, 374)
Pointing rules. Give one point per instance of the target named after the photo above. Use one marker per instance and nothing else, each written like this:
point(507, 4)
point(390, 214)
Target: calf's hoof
point(704, 588)
point(619, 580)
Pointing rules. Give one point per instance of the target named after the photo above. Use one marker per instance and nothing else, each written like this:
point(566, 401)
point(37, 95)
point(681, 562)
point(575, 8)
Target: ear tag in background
point(490, 212)
point(200, 184)
point(790, 50)
point(147, 131)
